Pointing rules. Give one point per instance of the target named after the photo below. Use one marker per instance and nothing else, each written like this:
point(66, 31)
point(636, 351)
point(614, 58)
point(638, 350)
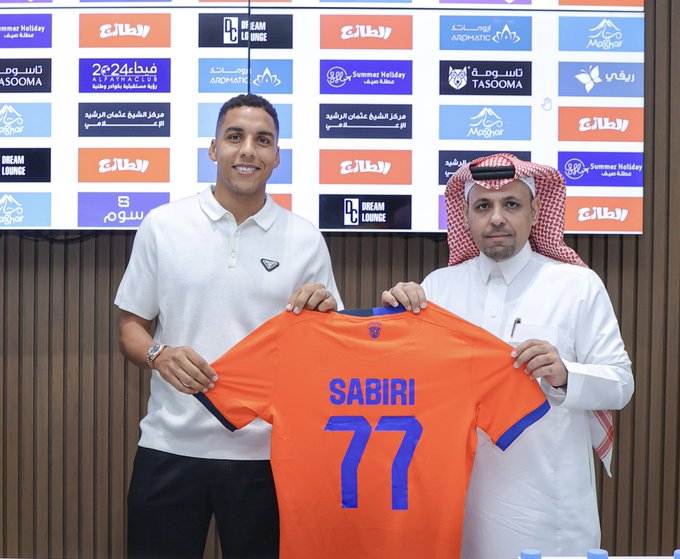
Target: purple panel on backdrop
point(442, 212)
point(117, 209)
point(388, 77)
point(506, 2)
point(124, 75)
point(26, 31)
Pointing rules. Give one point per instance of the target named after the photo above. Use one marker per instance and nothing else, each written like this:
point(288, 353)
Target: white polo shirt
point(210, 283)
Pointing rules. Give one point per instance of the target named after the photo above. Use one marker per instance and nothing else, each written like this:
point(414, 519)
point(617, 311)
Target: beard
point(499, 252)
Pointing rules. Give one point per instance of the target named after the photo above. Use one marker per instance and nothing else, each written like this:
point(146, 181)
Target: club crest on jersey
point(374, 329)
point(269, 265)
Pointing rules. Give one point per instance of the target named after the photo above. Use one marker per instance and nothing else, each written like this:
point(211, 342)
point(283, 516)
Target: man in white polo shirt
point(204, 272)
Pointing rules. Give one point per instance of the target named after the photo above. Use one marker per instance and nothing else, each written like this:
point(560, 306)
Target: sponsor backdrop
point(107, 109)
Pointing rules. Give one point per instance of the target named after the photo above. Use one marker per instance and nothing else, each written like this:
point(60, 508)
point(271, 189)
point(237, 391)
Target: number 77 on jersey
point(361, 428)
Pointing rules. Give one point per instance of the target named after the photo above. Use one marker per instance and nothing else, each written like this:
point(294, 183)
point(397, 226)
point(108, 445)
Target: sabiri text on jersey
point(373, 391)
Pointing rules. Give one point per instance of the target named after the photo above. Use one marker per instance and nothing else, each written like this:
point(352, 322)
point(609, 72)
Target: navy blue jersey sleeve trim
point(213, 410)
point(375, 311)
point(507, 438)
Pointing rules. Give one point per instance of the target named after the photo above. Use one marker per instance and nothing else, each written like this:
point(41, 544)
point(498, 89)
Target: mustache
point(497, 230)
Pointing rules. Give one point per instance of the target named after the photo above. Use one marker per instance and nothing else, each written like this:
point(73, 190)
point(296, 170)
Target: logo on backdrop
point(364, 121)
point(600, 124)
point(366, 32)
point(601, 34)
point(25, 165)
point(338, 166)
point(498, 122)
point(375, 77)
point(11, 210)
point(603, 214)
point(124, 75)
point(242, 30)
point(25, 75)
point(26, 120)
point(219, 75)
point(117, 209)
point(124, 165)
point(123, 119)
point(601, 168)
point(468, 77)
point(340, 211)
point(484, 33)
point(601, 79)
point(25, 209)
point(26, 31)
point(124, 30)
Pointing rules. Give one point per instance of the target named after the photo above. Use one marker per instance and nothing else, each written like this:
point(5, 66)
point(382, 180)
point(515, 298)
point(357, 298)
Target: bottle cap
point(597, 554)
point(530, 554)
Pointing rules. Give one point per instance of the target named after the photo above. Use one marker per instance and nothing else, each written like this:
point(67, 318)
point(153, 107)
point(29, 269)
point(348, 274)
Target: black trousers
point(172, 498)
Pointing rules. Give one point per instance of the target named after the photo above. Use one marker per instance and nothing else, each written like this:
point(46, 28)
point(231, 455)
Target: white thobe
point(540, 493)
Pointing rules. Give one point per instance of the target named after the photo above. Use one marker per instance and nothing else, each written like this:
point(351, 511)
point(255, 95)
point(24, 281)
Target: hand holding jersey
point(188, 372)
point(540, 358)
point(312, 296)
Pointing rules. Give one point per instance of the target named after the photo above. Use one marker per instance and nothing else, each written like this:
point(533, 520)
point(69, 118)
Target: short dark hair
point(249, 100)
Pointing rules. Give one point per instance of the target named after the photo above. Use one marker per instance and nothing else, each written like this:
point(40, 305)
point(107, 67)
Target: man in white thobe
point(511, 273)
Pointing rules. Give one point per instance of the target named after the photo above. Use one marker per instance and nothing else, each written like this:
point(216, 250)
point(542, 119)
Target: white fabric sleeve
point(601, 377)
point(138, 290)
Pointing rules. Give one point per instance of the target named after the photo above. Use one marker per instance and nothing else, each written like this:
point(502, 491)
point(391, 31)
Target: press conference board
point(107, 109)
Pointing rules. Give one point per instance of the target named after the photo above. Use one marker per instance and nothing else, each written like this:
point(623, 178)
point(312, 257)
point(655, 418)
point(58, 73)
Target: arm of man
point(181, 367)
point(596, 369)
point(408, 294)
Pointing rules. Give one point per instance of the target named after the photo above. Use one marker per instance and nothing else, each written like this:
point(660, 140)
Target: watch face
point(153, 350)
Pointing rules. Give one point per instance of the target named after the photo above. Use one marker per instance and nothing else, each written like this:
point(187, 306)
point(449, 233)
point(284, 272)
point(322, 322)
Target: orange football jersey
point(373, 424)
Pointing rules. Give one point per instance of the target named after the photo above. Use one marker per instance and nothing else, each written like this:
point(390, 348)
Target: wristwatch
point(154, 351)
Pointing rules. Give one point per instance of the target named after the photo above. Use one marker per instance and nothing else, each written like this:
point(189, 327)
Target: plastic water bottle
point(597, 554)
point(530, 554)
